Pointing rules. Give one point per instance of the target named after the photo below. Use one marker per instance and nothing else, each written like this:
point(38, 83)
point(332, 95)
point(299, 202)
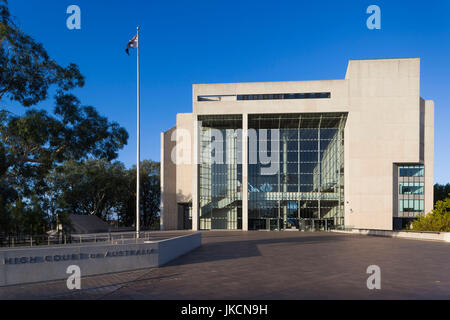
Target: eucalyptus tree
point(33, 144)
point(92, 187)
point(150, 196)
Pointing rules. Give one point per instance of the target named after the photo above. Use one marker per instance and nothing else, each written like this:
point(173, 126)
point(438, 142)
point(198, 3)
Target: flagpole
point(138, 164)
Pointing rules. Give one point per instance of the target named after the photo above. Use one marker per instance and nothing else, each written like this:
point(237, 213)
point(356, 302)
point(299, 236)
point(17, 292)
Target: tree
point(37, 142)
point(35, 221)
point(32, 144)
point(150, 196)
point(104, 189)
point(441, 192)
point(438, 220)
point(5, 217)
point(151, 193)
point(92, 187)
point(27, 71)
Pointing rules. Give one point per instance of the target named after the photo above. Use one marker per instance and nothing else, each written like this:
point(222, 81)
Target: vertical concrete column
point(429, 155)
point(245, 172)
point(195, 172)
point(285, 173)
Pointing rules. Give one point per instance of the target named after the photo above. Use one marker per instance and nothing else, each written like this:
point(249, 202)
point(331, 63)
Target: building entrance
point(304, 190)
point(275, 224)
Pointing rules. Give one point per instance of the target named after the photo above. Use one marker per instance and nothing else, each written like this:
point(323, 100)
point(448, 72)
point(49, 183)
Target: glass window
point(408, 205)
point(403, 171)
point(416, 205)
point(411, 188)
point(412, 171)
point(319, 95)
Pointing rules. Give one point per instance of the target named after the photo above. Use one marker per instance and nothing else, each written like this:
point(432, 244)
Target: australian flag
point(132, 44)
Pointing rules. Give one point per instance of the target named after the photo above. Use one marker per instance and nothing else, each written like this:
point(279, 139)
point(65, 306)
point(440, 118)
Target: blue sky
point(186, 42)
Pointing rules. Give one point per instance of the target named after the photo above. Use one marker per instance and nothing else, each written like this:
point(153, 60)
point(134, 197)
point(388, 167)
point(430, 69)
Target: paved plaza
point(274, 265)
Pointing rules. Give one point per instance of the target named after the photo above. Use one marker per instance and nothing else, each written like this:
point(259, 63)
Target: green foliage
point(39, 149)
point(5, 217)
point(441, 191)
point(150, 196)
point(93, 187)
point(27, 71)
point(437, 220)
point(107, 190)
point(21, 218)
point(34, 143)
point(35, 218)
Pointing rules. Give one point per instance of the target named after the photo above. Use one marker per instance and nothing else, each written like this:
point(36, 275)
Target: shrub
point(437, 220)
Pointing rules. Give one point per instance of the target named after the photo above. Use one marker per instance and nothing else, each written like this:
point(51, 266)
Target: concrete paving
point(274, 265)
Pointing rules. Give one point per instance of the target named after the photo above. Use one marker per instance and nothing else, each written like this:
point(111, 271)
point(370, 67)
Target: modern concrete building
point(316, 155)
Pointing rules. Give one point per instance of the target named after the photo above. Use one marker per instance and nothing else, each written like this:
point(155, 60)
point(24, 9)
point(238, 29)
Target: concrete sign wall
point(28, 265)
point(415, 235)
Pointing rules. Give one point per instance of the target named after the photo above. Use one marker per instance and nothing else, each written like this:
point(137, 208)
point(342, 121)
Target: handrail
point(61, 239)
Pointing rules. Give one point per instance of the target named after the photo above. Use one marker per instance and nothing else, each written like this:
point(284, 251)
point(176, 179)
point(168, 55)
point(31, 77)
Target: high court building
point(305, 155)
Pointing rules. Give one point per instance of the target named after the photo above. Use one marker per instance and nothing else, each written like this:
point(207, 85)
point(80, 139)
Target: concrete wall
point(169, 208)
point(337, 103)
point(28, 265)
point(383, 128)
point(185, 133)
point(173, 248)
point(413, 235)
point(176, 182)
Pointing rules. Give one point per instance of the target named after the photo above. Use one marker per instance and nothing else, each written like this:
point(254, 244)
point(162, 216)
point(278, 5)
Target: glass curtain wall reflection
point(306, 191)
point(220, 172)
point(411, 190)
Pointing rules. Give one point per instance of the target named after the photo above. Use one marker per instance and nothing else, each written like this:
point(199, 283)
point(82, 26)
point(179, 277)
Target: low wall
point(40, 264)
point(417, 235)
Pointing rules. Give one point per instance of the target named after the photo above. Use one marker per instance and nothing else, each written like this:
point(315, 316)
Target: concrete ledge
point(40, 264)
point(417, 235)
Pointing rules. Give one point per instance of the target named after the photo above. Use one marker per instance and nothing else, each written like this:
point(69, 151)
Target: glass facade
point(220, 172)
point(283, 96)
point(304, 189)
point(295, 171)
point(411, 190)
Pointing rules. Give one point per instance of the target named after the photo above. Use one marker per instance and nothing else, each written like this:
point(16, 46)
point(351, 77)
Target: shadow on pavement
point(225, 250)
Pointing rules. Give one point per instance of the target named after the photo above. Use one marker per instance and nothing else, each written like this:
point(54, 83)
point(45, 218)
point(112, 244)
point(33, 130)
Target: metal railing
point(57, 240)
point(31, 241)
